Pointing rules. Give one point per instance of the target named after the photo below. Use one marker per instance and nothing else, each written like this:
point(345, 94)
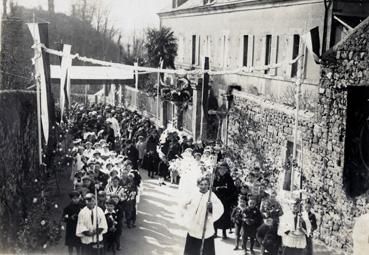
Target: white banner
point(40, 75)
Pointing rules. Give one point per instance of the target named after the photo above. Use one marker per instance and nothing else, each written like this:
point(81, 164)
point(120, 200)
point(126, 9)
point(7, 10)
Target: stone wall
point(269, 133)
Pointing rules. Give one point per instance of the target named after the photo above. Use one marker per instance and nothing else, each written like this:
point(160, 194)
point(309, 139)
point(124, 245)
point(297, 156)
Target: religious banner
point(39, 32)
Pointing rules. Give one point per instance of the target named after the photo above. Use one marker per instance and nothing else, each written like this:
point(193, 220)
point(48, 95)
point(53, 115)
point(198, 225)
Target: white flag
point(34, 28)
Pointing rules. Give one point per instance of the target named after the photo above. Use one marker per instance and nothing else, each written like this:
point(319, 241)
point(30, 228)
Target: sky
point(127, 15)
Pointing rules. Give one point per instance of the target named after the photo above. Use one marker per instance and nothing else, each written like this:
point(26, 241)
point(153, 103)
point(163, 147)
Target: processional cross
point(222, 113)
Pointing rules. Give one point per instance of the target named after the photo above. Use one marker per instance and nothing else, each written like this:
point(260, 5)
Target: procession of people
point(112, 146)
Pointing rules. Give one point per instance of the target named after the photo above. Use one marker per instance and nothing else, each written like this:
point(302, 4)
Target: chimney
point(51, 6)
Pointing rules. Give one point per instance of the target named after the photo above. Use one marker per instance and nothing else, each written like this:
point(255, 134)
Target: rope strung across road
point(244, 69)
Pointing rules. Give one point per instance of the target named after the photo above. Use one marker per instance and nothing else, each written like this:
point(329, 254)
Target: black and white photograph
point(184, 127)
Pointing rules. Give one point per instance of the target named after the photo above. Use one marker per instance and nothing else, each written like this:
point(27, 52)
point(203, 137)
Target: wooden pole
point(97, 224)
point(86, 94)
point(136, 75)
point(204, 101)
point(39, 120)
point(158, 93)
point(207, 211)
point(299, 81)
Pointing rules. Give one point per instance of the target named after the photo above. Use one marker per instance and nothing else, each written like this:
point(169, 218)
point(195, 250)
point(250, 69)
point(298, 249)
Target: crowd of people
point(112, 145)
point(108, 150)
point(250, 205)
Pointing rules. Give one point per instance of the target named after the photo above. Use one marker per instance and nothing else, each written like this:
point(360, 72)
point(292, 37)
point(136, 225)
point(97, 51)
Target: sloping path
point(157, 230)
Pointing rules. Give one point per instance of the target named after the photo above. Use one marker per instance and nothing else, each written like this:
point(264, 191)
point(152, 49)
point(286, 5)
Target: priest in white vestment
point(91, 226)
point(195, 210)
point(360, 234)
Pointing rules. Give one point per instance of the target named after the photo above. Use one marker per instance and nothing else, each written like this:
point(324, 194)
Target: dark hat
point(114, 170)
point(109, 202)
point(115, 178)
point(74, 193)
point(96, 152)
point(223, 164)
point(114, 195)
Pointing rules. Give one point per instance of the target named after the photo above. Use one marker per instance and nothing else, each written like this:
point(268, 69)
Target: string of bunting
point(244, 69)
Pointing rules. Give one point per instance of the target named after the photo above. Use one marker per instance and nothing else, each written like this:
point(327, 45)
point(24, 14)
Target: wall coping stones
point(268, 104)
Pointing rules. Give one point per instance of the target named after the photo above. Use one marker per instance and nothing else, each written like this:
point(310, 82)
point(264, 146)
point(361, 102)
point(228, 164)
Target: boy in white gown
point(195, 208)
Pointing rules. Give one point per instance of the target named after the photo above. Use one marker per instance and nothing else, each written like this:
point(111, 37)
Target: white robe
point(195, 210)
point(360, 235)
point(84, 223)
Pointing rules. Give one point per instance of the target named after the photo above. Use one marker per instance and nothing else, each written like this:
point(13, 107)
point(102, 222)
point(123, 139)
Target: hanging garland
point(181, 95)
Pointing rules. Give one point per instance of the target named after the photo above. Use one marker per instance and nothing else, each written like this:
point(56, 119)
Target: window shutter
point(204, 52)
point(220, 51)
point(260, 61)
point(289, 51)
point(273, 55)
point(212, 51)
point(251, 51)
point(240, 53)
point(227, 55)
point(198, 49)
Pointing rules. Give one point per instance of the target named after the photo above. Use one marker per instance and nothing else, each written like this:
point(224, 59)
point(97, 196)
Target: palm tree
point(161, 44)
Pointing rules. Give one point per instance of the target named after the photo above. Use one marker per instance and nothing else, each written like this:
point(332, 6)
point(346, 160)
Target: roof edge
point(228, 5)
point(337, 46)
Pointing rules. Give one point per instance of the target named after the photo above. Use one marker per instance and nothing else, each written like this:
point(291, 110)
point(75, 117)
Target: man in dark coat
point(226, 191)
point(109, 135)
point(175, 150)
point(132, 153)
point(70, 217)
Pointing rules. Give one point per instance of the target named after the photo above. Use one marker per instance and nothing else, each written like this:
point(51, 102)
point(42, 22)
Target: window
point(208, 1)
point(268, 51)
point(295, 53)
point(193, 50)
point(245, 50)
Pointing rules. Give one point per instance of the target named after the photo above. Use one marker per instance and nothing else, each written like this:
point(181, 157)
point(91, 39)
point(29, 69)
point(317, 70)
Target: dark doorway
point(356, 168)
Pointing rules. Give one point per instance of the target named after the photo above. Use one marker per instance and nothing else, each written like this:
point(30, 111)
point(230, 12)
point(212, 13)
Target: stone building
point(332, 131)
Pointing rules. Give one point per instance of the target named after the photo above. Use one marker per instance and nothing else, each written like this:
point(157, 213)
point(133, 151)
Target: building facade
point(255, 33)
